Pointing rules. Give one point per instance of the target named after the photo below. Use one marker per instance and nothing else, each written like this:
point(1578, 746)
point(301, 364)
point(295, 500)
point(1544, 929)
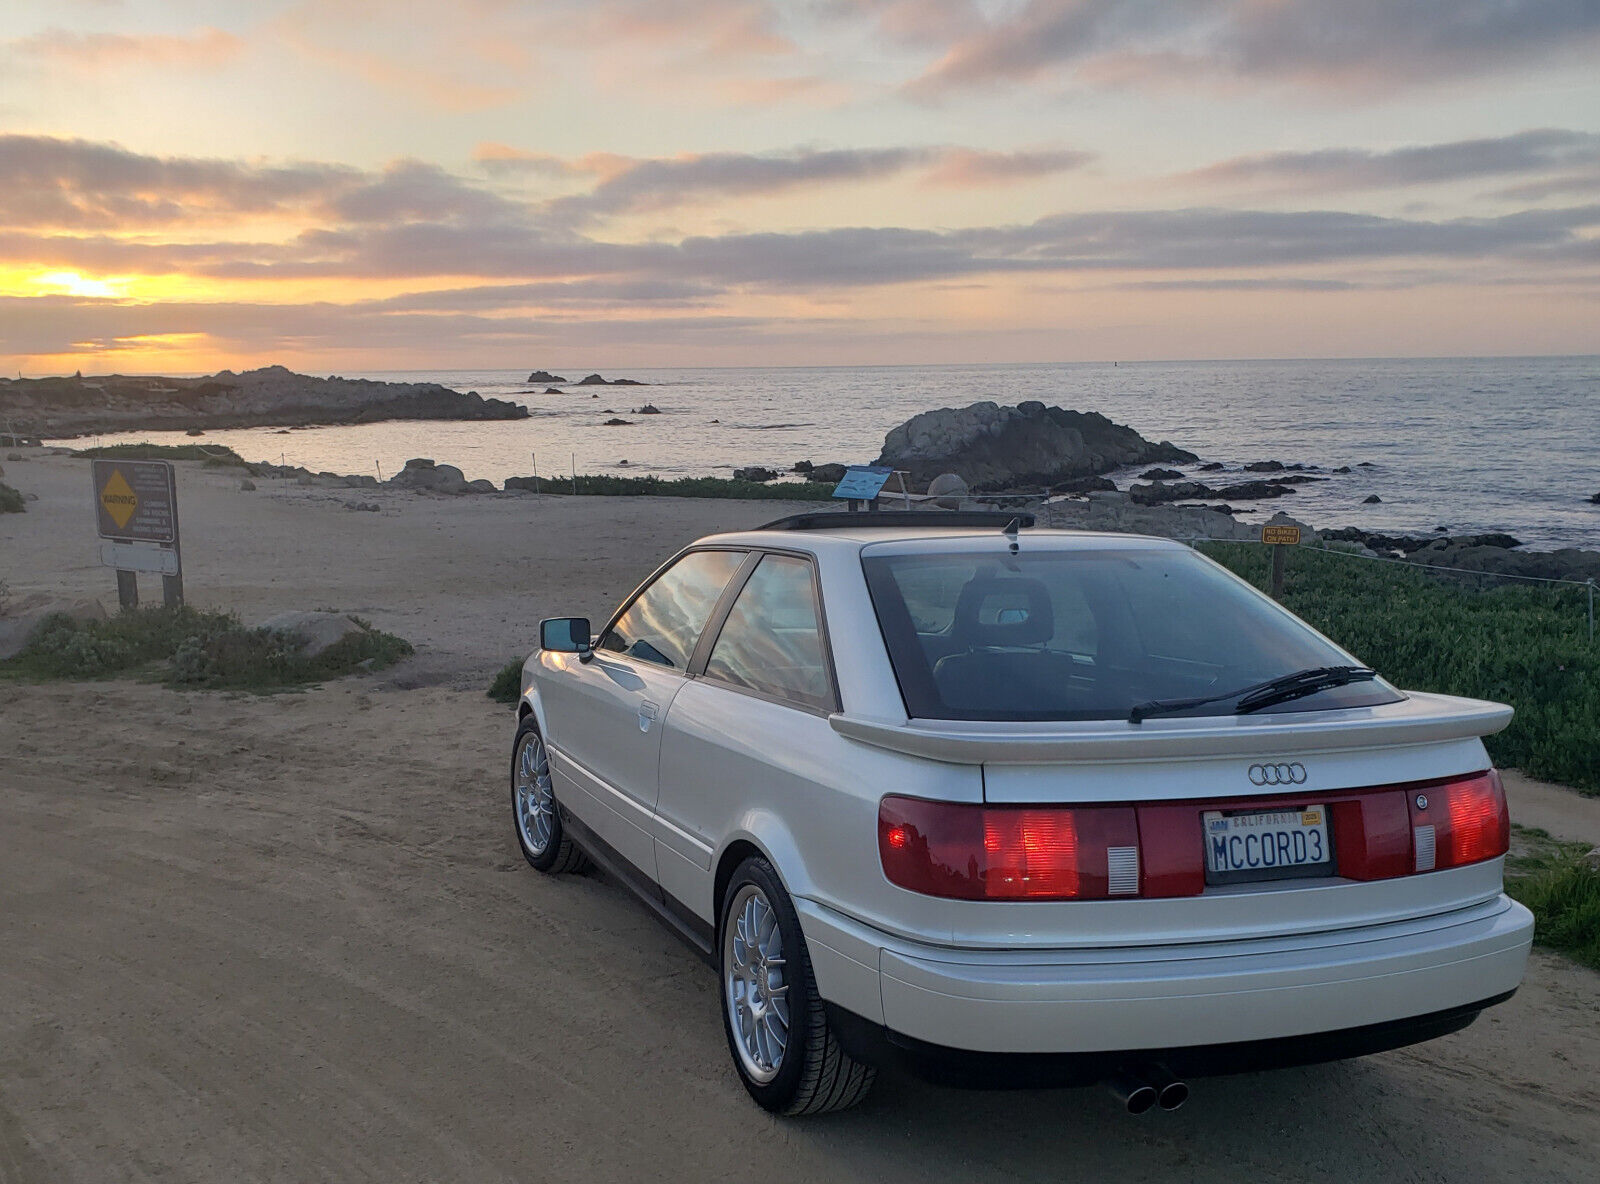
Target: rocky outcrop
point(269, 396)
point(596, 380)
point(829, 474)
point(755, 473)
point(1159, 492)
point(546, 377)
point(993, 447)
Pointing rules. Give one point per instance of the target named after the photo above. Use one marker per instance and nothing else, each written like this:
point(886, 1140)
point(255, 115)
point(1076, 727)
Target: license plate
point(1267, 844)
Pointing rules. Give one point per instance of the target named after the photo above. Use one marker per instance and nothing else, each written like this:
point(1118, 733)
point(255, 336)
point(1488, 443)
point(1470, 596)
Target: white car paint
point(715, 769)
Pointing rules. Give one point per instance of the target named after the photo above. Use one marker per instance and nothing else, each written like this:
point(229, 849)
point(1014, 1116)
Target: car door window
point(771, 642)
point(664, 621)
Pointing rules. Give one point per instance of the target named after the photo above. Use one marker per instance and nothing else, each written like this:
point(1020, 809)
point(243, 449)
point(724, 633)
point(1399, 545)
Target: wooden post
point(1278, 552)
point(127, 589)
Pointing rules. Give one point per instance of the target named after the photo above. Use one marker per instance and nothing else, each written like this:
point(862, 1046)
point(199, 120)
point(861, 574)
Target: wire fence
point(1584, 589)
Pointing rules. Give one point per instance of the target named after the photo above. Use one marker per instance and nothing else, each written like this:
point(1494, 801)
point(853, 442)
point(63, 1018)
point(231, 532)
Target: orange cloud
point(206, 49)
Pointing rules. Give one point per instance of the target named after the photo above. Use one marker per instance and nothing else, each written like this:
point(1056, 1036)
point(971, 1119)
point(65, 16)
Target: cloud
point(80, 184)
point(972, 167)
point(1541, 150)
point(205, 49)
point(1340, 44)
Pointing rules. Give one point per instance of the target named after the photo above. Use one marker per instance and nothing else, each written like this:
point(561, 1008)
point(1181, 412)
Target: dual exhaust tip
point(1152, 1085)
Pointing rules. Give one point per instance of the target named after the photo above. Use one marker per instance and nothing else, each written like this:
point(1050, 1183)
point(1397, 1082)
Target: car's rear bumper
point(1167, 998)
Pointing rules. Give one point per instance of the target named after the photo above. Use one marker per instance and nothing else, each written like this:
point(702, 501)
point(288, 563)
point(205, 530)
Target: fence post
point(1277, 571)
point(1591, 610)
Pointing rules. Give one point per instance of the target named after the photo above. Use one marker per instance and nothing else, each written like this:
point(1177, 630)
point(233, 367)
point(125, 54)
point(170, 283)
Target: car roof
point(853, 534)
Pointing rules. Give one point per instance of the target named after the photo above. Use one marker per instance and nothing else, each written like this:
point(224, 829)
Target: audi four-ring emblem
point(1293, 774)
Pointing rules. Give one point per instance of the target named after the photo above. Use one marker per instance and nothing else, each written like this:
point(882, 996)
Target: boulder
point(1211, 466)
point(247, 486)
point(30, 613)
point(481, 485)
point(550, 390)
point(948, 489)
point(545, 376)
point(647, 409)
point(805, 466)
point(315, 631)
point(1344, 469)
point(1595, 498)
point(827, 474)
point(993, 447)
point(1255, 490)
point(592, 380)
point(438, 478)
point(1371, 499)
point(1084, 485)
point(419, 462)
point(194, 432)
point(1264, 466)
point(1161, 475)
point(614, 422)
point(754, 473)
point(1158, 492)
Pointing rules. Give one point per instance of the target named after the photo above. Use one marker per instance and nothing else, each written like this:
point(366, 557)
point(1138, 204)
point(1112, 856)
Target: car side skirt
point(671, 911)
point(877, 1045)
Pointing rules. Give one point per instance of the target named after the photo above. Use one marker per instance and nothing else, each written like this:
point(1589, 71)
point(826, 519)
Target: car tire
point(535, 820)
point(782, 1045)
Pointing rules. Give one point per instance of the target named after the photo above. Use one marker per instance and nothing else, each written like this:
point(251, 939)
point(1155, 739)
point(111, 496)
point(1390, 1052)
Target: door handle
point(647, 713)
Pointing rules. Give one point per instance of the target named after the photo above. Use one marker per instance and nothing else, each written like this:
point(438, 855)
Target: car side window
point(664, 621)
point(772, 640)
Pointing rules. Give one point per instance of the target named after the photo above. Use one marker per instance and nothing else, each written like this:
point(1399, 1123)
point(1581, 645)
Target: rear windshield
point(1078, 635)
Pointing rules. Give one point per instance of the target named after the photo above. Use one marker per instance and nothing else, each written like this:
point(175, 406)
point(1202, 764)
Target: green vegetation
point(188, 647)
point(507, 684)
point(1561, 890)
point(1526, 646)
point(214, 455)
point(607, 486)
point(11, 501)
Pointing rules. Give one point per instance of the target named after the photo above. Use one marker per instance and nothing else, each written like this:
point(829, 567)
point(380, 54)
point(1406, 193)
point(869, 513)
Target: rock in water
point(545, 376)
point(1371, 499)
point(754, 473)
point(994, 447)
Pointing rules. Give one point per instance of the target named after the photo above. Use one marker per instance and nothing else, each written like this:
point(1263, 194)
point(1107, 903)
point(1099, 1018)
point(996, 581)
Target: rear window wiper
point(1262, 694)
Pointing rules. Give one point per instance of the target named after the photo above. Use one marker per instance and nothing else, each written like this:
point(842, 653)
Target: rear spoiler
point(1418, 719)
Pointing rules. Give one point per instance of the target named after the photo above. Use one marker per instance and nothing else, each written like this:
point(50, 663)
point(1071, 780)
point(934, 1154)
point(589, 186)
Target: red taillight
point(972, 852)
point(1460, 822)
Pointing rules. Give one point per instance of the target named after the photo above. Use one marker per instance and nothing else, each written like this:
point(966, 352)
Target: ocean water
point(1468, 444)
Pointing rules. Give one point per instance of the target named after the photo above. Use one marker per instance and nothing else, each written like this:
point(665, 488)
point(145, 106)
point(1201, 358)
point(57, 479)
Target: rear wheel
point(540, 834)
point(778, 1032)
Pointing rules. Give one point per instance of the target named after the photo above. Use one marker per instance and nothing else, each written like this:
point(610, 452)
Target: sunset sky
point(349, 185)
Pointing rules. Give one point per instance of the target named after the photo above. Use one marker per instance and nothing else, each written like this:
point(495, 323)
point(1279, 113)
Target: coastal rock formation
point(255, 398)
point(754, 473)
point(596, 380)
point(830, 474)
point(546, 377)
point(424, 474)
point(1161, 475)
point(993, 447)
point(647, 409)
point(1159, 492)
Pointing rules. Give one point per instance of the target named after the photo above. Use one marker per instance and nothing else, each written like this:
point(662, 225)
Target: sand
point(290, 938)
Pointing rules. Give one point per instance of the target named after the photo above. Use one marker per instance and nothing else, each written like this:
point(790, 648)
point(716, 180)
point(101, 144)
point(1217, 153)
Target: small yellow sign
point(118, 498)
point(1286, 536)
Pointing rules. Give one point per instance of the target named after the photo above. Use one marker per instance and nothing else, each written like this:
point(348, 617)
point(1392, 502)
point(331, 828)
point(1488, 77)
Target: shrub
point(11, 502)
point(215, 455)
point(1562, 890)
point(1526, 646)
point(507, 684)
point(199, 649)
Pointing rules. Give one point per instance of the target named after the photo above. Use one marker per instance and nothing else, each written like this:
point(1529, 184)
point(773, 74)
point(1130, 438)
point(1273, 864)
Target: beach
point(290, 936)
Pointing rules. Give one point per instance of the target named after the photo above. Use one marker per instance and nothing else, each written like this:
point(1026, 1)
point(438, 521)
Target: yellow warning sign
point(117, 496)
point(1280, 535)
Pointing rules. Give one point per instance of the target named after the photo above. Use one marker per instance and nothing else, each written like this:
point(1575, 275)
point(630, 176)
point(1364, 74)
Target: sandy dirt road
point(291, 939)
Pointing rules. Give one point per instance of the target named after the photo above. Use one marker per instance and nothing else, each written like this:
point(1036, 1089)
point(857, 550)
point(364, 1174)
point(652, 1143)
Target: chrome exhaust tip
point(1170, 1092)
point(1135, 1094)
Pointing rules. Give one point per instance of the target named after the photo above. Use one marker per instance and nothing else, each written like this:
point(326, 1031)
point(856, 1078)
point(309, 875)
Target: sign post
point(136, 510)
point(1279, 538)
point(861, 485)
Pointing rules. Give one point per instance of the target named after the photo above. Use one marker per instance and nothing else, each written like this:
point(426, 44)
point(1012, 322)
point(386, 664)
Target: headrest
point(1006, 611)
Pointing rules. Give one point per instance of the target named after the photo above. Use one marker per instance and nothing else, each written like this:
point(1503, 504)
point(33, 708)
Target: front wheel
point(540, 835)
point(778, 1032)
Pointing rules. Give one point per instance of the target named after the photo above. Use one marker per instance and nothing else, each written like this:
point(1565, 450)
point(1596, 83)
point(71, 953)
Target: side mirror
point(566, 635)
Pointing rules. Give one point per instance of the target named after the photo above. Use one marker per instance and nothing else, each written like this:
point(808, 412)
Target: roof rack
point(895, 519)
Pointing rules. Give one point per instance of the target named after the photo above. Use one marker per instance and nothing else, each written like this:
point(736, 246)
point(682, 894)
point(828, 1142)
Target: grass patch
point(608, 486)
point(215, 456)
point(189, 647)
point(11, 502)
point(507, 684)
point(1561, 891)
point(1526, 646)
